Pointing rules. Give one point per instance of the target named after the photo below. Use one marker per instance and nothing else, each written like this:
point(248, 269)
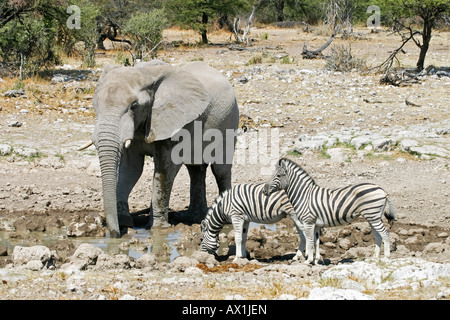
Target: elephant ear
point(179, 98)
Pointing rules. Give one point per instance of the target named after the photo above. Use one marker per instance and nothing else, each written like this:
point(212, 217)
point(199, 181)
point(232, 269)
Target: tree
point(145, 29)
point(430, 11)
point(340, 15)
point(87, 30)
point(197, 14)
point(115, 13)
point(28, 34)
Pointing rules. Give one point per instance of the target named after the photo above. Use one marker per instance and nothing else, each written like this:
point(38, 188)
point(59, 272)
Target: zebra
point(240, 205)
point(318, 207)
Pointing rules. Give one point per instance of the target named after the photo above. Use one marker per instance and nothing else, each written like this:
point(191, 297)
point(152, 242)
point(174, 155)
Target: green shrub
point(145, 29)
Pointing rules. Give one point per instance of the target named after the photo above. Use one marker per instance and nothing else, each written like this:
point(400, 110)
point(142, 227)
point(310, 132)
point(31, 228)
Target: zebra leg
point(381, 234)
point(238, 226)
point(309, 234)
point(301, 233)
point(317, 234)
point(377, 244)
point(244, 239)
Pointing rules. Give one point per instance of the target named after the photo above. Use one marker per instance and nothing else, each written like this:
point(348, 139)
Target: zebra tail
point(390, 215)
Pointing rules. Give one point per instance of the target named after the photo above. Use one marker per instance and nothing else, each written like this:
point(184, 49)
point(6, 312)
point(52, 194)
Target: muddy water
point(162, 242)
point(140, 241)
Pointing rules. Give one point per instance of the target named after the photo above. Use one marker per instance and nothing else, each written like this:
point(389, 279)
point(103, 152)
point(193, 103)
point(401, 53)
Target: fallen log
point(315, 54)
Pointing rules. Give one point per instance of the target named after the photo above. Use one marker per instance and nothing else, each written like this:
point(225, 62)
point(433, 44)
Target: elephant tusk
point(86, 145)
point(127, 143)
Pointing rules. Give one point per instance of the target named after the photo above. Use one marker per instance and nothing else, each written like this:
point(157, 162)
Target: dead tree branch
point(314, 54)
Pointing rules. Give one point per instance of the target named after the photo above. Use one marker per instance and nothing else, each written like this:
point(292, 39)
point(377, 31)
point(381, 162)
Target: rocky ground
point(342, 127)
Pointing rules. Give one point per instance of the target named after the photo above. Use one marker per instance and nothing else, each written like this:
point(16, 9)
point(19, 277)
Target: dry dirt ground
point(45, 184)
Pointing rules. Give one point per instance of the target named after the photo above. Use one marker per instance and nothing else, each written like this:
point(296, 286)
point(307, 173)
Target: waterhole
point(161, 242)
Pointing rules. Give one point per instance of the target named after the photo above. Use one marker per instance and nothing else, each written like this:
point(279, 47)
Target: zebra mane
point(297, 167)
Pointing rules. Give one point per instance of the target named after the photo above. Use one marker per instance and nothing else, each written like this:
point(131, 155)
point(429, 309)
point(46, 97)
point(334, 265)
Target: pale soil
point(62, 180)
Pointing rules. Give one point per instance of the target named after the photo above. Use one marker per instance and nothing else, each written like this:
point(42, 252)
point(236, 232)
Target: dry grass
point(342, 59)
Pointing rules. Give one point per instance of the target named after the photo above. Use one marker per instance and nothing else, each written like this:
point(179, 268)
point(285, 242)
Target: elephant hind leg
point(222, 173)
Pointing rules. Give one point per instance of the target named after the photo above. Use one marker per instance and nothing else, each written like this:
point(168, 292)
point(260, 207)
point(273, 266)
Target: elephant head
point(140, 104)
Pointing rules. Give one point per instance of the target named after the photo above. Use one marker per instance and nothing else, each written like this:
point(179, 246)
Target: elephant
point(140, 110)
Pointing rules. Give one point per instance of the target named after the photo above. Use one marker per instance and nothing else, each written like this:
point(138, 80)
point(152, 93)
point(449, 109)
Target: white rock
point(181, 263)
point(407, 144)
point(430, 150)
point(421, 271)
point(359, 269)
point(23, 255)
point(330, 293)
point(382, 144)
point(146, 260)
point(26, 152)
point(5, 149)
point(193, 271)
point(52, 162)
point(86, 253)
point(358, 142)
point(34, 265)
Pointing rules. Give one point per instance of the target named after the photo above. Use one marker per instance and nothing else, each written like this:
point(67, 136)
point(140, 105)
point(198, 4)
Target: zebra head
point(210, 243)
point(278, 181)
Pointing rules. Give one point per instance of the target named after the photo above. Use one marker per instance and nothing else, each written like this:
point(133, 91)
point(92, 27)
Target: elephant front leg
point(130, 170)
point(163, 178)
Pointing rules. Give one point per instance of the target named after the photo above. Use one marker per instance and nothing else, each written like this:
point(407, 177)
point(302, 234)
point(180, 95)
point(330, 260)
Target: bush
point(29, 43)
point(146, 29)
point(341, 59)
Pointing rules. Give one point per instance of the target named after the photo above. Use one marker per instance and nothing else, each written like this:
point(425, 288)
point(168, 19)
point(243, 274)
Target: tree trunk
point(426, 38)
point(100, 44)
point(204, 28)
point(279, 6)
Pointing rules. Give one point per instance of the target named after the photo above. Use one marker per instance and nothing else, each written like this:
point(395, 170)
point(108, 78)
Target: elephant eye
point(133, 106)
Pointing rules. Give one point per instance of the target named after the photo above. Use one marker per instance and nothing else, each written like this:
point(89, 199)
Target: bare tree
point(245, 29)
point(340, 15)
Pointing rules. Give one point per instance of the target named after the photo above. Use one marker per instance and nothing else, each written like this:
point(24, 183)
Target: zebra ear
point(282, 165)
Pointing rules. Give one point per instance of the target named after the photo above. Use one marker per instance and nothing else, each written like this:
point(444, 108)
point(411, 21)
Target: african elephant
point(139, 111)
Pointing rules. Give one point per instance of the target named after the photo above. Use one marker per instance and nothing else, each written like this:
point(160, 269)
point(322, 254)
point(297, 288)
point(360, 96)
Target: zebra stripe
point(318, 207)
point(240, 205)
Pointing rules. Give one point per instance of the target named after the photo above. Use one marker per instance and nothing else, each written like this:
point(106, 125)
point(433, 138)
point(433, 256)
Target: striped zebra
point(240, 205)
point(318, 207)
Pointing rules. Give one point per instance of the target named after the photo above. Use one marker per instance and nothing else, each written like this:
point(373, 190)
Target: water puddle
point(160, 242)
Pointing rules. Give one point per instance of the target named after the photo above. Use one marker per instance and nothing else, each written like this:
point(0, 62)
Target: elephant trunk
point(108, 148)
